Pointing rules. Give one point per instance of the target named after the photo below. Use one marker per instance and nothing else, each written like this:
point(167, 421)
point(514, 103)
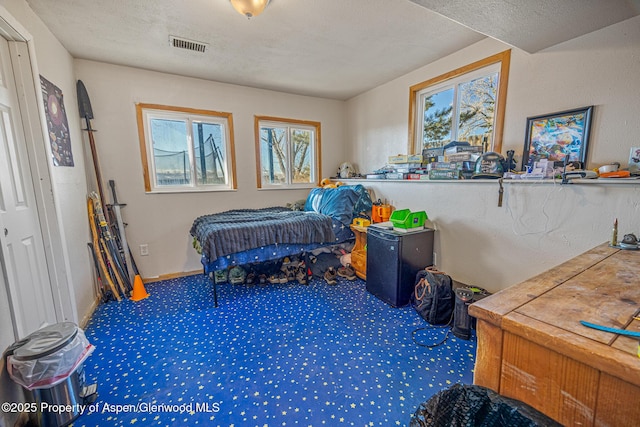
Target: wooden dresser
point(532, 347)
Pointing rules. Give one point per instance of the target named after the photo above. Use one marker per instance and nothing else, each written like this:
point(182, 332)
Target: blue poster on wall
point(56, 124)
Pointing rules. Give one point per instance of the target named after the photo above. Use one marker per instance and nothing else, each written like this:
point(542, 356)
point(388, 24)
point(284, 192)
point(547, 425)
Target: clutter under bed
point(220, 235)
point(246, 236)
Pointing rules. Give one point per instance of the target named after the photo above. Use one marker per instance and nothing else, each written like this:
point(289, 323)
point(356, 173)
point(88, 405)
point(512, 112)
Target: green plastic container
point(404, 218)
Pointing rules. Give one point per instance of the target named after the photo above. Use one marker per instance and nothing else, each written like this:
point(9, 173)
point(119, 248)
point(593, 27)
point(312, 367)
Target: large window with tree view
point(185, 149)
point(288, 152)
point(466, 104)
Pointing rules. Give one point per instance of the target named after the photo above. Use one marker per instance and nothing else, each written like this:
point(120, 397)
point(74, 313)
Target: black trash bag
point(476, 406)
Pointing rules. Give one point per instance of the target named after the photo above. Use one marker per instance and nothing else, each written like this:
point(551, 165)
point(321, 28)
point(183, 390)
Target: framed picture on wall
point(557, 136)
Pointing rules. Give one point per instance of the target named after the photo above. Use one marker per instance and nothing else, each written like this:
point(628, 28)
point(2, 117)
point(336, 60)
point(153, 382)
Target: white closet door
point(21, 244)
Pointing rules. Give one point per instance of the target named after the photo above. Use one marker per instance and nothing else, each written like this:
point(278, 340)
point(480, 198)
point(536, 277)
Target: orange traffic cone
point(139, 292)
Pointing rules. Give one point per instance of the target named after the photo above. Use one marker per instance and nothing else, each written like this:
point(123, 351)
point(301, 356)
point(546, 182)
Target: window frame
point(143, 111)
point(502, 58)
point(316, 154)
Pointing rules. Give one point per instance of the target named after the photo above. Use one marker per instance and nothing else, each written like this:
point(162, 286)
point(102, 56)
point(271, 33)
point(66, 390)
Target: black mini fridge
point(393, 260)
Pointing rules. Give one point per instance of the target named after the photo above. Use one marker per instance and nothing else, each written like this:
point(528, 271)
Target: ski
point(97, 252)
point(103, 293)
point(111, 251)
point(115, 232)
point(114, 268)
point(124, 246)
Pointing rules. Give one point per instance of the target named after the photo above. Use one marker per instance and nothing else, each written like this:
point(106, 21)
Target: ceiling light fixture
point(249, 8)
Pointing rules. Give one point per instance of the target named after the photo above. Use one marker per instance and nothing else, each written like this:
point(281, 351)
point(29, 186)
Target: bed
point(245, 236)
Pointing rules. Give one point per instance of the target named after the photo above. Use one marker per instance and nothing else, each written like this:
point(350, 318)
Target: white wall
point(69, 185)
point(68, 188)
point(163, 220)
point(540, 225)
point(599, 69)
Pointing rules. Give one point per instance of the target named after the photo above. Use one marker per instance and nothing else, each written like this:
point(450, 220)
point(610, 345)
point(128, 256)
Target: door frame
point(33, 122)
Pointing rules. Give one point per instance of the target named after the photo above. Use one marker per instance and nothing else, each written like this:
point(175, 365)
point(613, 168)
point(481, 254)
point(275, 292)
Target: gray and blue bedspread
point(242, 229)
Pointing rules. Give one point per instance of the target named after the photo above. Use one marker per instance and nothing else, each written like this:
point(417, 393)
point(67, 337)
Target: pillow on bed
point(338, 203)
point(364, 203)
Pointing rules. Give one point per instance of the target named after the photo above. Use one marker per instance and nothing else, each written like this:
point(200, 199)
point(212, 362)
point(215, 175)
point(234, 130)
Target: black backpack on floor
point(433, 296)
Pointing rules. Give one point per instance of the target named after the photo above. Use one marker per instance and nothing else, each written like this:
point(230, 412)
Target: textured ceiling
point(533, 25)
point(326, 48)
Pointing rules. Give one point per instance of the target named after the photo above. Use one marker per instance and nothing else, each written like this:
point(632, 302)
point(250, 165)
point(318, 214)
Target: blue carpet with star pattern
point(274, 355)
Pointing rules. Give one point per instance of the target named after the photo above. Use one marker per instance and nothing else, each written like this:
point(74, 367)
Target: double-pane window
point(288, 152)
point(186, 149)
point(461, 110)
point(464, 105)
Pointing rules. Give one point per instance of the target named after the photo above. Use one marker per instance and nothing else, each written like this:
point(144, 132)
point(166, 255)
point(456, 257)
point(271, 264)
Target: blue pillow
point(338, 203)
point(364, 203)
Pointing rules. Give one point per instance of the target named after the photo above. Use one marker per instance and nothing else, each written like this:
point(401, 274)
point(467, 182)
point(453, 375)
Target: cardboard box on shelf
point(464, 149)
point(418, 176)
point(441, 165)
point(436, 174)
point(462, 157)
point(433, 159)
point(431, 152)
point(400, 158)
point(408, 165)
point(395, 175)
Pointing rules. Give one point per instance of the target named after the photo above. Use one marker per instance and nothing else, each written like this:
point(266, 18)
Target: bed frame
point(246, 236)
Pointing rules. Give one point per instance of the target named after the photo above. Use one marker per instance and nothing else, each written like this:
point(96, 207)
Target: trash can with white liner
point(49, 364)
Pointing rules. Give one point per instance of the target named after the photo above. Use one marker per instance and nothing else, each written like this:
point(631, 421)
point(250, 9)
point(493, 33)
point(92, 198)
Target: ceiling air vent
point(183, 43)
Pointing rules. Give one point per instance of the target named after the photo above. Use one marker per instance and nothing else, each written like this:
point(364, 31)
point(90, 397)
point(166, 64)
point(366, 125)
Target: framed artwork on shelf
point(557, 136)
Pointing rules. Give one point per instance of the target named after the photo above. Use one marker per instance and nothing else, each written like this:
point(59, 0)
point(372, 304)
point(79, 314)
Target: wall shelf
point(598, 181)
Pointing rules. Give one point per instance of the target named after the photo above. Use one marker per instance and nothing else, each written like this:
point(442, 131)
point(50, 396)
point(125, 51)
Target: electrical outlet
point(144, 249)
point(435, 259)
